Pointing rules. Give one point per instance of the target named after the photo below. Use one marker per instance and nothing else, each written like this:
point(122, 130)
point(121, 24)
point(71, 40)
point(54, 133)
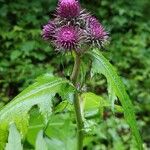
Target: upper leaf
point(101, 65)
point(41, 94)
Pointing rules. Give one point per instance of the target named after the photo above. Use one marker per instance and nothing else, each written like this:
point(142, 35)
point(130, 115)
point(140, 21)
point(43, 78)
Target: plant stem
point(80, 134)
point(74, 76)
point(76, 68)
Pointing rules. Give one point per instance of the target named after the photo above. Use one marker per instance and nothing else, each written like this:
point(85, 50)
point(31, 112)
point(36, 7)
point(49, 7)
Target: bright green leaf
point(41, 94)
point(102, 66)
point(92, 103)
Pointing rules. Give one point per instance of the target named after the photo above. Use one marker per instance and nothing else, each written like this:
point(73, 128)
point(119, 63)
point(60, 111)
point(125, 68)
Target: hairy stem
point(76, 68)
point(80, 134)
point(74, 76)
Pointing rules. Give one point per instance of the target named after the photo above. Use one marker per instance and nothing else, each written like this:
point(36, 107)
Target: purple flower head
point(49, 31)
point(68, 38)
point(68, 9)
point(73, 28)
point(95, 32)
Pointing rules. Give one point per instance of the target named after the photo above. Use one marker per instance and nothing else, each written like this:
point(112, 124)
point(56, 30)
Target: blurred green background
point(24, 56)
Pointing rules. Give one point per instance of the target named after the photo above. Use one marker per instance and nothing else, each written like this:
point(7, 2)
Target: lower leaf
point(41, 94)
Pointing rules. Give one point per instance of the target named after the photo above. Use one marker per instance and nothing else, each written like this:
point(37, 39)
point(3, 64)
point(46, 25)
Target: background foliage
point(24, 56)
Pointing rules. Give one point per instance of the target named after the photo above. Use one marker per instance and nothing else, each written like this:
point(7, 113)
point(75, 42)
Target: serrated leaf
point(66, 93)
point(14, 139)
point(40, 142)
point(40, 93)
point(101, 65)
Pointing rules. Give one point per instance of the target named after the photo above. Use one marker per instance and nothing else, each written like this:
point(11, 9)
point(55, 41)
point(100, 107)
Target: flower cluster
point(74, 27)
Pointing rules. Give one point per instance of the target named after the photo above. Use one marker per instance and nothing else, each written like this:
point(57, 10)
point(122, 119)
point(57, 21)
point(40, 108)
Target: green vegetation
point(24, 56)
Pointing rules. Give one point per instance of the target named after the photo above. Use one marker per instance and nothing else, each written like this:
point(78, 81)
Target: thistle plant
point(76, 31)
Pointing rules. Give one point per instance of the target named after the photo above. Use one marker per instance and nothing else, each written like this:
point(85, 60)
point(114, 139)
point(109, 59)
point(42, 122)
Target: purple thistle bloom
point(96, 33)
point(68, 9)
point(49, 31)
point(68, 38)
point(73, 28)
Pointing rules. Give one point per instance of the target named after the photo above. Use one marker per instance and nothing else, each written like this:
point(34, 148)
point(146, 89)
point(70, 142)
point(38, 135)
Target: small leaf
point(102, 66)
point(40, 142)
point(14, 139)
point(91, 101)
point(92, 104)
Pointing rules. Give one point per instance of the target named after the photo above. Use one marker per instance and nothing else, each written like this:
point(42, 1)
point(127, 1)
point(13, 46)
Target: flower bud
point(68, 9)
point(49, 31)
point(96, 33)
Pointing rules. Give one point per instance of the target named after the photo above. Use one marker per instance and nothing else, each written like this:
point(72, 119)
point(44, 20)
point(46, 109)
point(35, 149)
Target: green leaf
point(40, 142)
point(91, 101)
point(14, 139)
point(64, 105)
point(55, 144)
point(61, 131)
point(36, 123)
point(102, 66)
point(92, 104)
point(40, 93)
